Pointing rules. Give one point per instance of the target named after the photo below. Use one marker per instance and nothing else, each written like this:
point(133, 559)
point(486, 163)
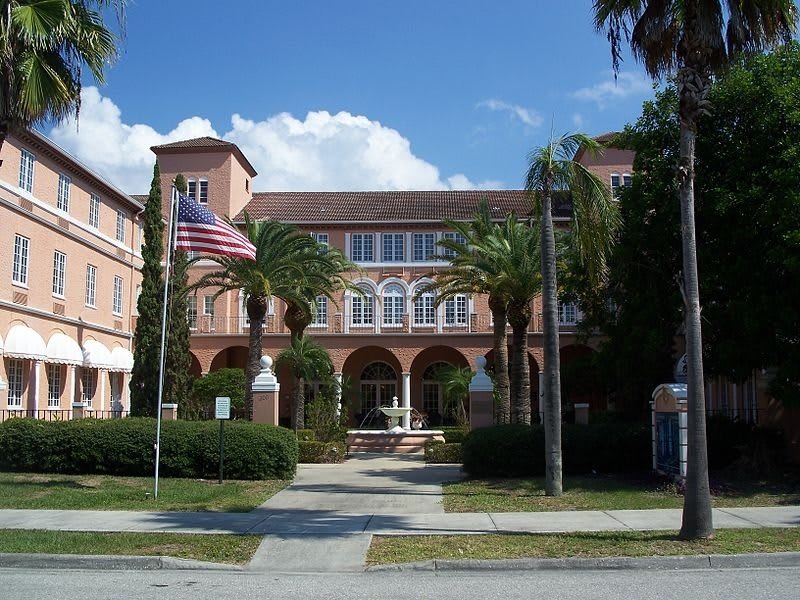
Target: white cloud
point(606, 92)
point(577, 120)
point(322, 152)
point(526, 116)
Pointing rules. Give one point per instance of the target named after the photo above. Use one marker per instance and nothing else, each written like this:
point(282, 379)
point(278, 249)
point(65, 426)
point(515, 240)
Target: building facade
point(69, 284)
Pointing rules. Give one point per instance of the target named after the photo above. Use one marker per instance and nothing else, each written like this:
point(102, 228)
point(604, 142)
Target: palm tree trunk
point(520, 369)
point(500, 341)
point(697, 522)
point(253, 362)
point(552, 370)
point(298, 404)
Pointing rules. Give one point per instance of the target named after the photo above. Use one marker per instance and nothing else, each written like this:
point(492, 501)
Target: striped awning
point(64, 350)
point(96, 355)
point(24, 342)
point(122, 360)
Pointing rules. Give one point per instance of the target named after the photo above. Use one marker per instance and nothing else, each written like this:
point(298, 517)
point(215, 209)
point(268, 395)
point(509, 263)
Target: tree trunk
point(697, 522)
point(298, 404)
point(520, 318)
point(552, 371)
point(253, 362)
point(500, 341)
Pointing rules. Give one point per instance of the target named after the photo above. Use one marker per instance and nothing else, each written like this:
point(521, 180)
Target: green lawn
point(105, 492)
point(399, 549)
point(231, 549)
point(606, 493)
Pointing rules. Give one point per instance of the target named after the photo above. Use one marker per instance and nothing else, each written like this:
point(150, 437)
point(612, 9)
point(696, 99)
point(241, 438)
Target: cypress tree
point(177, 381)
point(147, 337)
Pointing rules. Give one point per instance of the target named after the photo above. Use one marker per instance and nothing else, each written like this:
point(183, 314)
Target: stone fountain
point(393, 439)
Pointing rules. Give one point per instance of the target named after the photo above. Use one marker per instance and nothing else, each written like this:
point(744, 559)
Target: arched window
point(378, 386)
point(363, 307)
point(393, 306)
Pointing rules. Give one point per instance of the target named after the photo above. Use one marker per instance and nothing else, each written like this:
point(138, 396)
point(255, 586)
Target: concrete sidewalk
point(324, 521)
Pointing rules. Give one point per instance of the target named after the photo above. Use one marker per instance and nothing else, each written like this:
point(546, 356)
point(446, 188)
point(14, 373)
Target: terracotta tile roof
point(382, 207)
point(205, 144)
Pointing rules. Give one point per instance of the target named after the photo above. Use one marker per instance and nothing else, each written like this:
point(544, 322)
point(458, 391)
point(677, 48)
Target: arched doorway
point(432, 393)
point(377, 385)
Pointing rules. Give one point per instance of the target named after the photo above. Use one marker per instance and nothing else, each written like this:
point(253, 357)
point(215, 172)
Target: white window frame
point(94, 211)
point(59, 273)
point(455, 311)
point(16, 382)
point(90, 293)
point(122, 218)
point(320, 316)
point(208, 306)
point(362, 309)
point(191, 311)
point(191, 188)
point(568, 313)
point(424, 246)
point(321, 238)
point(116, 298)
point(53, 385)
point(627, 180)
point(27, 162)
point(202, 190)
point(455, 236)
point(362, 247)
point(394, 303)
point(424, 311)
point(393, 247)
point(87, 386)
point(19, 269)
point(64, 183)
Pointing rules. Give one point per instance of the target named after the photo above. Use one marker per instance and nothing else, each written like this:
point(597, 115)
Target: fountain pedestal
point(395, 438)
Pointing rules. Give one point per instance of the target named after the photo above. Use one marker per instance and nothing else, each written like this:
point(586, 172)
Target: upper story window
point(455, 310)
point(191, 188)
point(202, 191)
point(320, 316)
point(94, 211)
point(567, 313)
point(362, 247)
point(26, 163)
point(393, 306)
point(455, 237)
point(19, 270)
point(321, 238)
point(90, 297)
point(116, 300)
point(423, 246)
point(64, 183)
point(424, 312)
point(208, 306)
point(121, 218)
point(618, 180)
point(59, 272)
point(191, 311)
point(363, 307)
point(627, 180)
point(393, 247)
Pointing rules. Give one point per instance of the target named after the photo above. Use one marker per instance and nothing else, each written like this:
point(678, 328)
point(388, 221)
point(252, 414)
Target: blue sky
point(355, 94)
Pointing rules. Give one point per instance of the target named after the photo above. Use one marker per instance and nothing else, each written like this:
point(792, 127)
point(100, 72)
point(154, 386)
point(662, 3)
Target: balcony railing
point(51, 414)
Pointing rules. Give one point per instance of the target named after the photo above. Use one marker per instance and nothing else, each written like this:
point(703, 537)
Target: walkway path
point(325, 519)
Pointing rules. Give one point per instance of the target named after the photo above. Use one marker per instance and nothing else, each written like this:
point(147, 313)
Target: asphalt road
point(24, 584)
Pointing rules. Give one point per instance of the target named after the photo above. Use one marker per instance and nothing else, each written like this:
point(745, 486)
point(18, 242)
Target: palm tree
point(455, 390)
point(283, 255)
point(595, 219)
point(514, 248)
point(44, 46)
point(307, 361)
point(322, 277)
point(693, 39)
point(470, 273)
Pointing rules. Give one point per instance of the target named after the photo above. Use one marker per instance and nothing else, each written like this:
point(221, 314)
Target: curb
point(108, 563)
point(650, 563)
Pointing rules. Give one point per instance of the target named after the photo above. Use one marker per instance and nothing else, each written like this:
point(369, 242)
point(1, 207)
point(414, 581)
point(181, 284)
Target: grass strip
point(605, 493)
point(229, 549)
point(106, 492)
point(400, 549)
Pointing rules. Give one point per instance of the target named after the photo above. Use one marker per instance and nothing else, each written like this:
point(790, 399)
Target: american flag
point(200, 231)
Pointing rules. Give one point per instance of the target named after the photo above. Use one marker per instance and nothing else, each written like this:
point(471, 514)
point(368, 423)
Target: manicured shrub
point(126, 447)
point(455, 435)
point(518, 450)
point(321, 452)
point(440, 452)
point(306, 435)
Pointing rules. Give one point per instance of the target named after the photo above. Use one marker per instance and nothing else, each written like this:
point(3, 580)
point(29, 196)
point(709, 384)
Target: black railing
point(52, 414)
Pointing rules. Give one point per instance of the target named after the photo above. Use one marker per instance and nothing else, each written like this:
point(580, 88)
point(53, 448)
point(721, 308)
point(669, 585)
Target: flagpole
point(170, 242)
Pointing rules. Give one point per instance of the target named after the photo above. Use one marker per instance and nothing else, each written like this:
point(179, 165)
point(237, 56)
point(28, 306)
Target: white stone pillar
point(37, 375)
point(338, 378)
point(102, 376)
point(407, 399)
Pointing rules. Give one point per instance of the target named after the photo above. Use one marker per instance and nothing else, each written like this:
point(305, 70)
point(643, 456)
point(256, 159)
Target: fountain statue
point(395, 412)
point(393, 439)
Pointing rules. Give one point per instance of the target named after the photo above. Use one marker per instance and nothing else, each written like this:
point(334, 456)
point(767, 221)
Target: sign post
point(222, 413)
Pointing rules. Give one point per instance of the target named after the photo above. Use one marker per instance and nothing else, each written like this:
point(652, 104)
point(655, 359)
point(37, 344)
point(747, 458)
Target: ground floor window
point(378, 386)
point(88, 380)
point(432, 396)
point(53, 386)
point(16, 382)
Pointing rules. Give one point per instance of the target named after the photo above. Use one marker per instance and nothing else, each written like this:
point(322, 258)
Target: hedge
point(440, 452)
point(321, 452)
point(518, 450)
point(454, 435)
point(126, 447)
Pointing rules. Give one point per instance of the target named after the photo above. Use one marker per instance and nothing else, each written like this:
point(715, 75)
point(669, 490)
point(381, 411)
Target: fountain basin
point(406, 441)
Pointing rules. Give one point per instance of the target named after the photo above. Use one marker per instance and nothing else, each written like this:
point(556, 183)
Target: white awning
point(96, 355)
point(24, 342)
point(64, 350)
point(122, 359)
point(1, 344)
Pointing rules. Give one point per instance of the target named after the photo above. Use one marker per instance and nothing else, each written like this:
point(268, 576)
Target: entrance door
point(378, 386)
